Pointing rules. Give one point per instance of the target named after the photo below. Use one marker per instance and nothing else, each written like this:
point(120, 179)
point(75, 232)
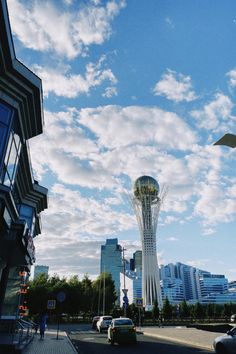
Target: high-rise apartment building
point(182, 282)
point(111, 262)
point(212, 283)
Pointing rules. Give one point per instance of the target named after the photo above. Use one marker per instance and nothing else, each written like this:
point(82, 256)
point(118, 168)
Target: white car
point(103, 323)
point(233, 318)
point(226, 344)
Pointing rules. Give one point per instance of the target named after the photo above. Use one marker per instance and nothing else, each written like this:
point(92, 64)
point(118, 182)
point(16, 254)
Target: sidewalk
point(191, 336)
point(50, 345)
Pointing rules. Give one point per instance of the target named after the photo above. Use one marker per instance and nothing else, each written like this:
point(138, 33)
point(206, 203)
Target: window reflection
point(11, 159)
point(26, 212)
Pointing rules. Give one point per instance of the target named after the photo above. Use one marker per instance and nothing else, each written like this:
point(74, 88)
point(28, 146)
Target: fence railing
point(15, 333)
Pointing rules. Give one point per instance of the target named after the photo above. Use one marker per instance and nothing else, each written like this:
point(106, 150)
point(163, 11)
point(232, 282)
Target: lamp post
point(125, 298)
point(228, 140)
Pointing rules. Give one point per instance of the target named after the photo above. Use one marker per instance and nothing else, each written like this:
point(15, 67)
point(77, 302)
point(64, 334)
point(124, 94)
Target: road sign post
point(51, 304)
point(139, 304)
point(61, 296)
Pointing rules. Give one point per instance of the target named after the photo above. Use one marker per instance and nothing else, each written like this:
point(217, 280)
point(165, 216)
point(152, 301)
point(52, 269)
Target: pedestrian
point(42, 325)
point(36, 324)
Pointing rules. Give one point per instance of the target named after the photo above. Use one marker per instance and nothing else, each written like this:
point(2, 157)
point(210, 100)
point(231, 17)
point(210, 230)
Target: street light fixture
point(125, 298)
point(228, 140)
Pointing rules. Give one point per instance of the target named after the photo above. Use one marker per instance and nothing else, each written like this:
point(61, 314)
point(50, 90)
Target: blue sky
point(131, 88)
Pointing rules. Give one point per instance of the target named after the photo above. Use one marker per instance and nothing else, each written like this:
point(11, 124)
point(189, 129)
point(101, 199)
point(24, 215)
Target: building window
point(11, 159)
point(10, 146)
point(5, 123)
point(26, 212)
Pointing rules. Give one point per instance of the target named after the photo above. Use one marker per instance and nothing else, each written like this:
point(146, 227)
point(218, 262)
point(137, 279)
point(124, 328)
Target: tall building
point(22, 199)
point(180, 281)
point(172, 289)
point(40, 269)
point(111, 262)
point(146, 203)
point(137, 256)
point(212, 283)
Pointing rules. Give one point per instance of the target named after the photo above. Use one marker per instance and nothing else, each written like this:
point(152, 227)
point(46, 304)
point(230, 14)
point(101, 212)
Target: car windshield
point(107, 318)
point(233, 331)
point(122, 322)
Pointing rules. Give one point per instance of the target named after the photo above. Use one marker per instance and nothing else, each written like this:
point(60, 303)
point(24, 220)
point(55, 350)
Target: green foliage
point(199, 311)
point(155, 311)
point(85, 296)
point(184, 310)
point(167, 309)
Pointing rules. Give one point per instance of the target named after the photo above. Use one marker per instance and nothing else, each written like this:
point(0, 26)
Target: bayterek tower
point(146, 203)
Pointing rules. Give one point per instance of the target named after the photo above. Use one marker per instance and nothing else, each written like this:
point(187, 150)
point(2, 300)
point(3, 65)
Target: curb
point(71, 344)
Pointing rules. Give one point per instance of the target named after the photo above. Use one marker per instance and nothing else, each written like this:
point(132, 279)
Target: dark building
point(21, 197)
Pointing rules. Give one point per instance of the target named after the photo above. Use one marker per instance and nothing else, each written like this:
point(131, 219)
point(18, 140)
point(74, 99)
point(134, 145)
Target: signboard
point(51, 304)
point(61, 296)
point(139, 302)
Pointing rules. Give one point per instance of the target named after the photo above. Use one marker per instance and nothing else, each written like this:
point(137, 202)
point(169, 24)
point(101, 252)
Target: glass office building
point(21, 197)
point(111, 262)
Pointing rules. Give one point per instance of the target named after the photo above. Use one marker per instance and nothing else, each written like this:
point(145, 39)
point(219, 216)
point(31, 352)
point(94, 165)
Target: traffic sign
point(51, 304)
point(139, 302)
point(61, 296)
point(125, 299)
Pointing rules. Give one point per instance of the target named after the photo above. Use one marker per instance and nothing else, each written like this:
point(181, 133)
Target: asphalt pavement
point(62, 345)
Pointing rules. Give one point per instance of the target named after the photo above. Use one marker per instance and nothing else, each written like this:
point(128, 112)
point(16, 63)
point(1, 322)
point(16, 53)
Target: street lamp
point(228, 140)
point(125, 298)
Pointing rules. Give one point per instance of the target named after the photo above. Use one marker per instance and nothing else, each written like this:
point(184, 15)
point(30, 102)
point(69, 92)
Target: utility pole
point(125, 298)
point(104, 294)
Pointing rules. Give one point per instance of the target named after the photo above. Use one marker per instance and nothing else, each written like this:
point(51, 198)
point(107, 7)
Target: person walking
point(43, 322)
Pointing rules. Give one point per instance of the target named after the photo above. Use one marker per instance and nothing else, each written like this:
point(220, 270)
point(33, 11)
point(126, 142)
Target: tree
point(167, 309)
point(155, 311)
point(210, 310)
point(199, 311)
point(38, 295)
point(184, 309)
point(104, 293)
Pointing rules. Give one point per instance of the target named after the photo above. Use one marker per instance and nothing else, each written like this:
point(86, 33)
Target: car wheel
point(220, 349)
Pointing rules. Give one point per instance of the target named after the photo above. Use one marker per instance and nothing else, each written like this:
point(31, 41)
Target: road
point(87, 341)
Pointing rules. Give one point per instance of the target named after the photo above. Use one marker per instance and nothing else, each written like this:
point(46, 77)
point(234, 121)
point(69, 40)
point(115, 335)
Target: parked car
point(226, 344)
point(121, 330)
point(233, 318)
point(103, 323)
point(94, 322)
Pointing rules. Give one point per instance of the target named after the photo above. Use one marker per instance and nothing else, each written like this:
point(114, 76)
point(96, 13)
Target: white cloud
point(174, 86)
point(213, 205)
point(110, 92)
point(232, 77)
point(61, 83)
point(172, 239)
point(68, 33)
point(216, 115)
point(117, 126)
point(103, 148)
point(198, 263)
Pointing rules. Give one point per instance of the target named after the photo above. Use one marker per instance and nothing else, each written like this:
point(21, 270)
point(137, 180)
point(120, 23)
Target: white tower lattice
point(146, 204)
